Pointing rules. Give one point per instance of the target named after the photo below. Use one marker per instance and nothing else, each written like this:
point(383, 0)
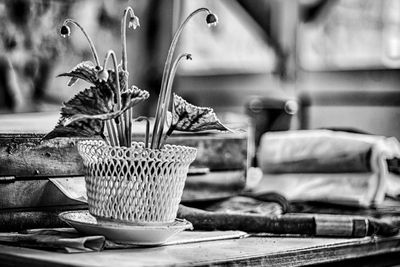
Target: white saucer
point(144, 235)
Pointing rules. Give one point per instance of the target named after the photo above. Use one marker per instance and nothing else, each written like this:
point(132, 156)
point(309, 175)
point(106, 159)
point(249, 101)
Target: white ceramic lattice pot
point(136, 184)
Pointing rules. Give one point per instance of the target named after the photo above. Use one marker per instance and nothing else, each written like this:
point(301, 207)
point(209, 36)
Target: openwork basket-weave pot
point(136, 184)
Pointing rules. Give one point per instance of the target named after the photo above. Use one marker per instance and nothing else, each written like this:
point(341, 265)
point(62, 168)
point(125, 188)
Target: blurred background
point(279, 64)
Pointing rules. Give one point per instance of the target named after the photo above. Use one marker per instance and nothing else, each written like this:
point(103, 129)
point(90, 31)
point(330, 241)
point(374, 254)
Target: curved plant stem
point(92, 47)
point(123, 36)
point(128, 124)
point(111, 54)
point(111, 134)
point(167, 134)
point(146, 137)
point(165, 104)
point(166, 71)
point(115, 130)
point(128, 114)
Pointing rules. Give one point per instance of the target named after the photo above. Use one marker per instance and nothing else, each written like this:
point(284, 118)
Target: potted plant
point(131, 182)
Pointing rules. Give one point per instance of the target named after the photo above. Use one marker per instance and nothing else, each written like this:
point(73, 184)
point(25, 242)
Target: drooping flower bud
point(212, 19)
point(102, 75)
point(133, 22)
point(65, 31)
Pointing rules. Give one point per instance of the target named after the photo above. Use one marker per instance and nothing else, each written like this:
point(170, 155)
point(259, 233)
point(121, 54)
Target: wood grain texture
point(40, 192)
point(25, 155)
point(217, 151)
point(13, 220)
point(253, 223)
point(253, 251)
point(213, 185)
point(32, 194)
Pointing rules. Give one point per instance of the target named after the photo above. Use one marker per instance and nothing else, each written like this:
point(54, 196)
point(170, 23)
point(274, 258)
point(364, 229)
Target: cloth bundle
point(71, 241)
point(329, 166)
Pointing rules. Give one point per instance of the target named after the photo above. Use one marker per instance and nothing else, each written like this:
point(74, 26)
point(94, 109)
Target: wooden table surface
point(254, 251)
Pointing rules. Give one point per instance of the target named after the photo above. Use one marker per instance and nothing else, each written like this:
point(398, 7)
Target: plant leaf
point(123, 79)
point(85, 71)
point(129, 98)
point(133, 96)
point(191, 118)
point(91, 101)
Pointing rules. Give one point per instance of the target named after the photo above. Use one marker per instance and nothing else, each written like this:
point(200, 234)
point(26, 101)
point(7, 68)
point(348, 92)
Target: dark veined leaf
point(85, 71)
point(123, 79)
point(190, 118)
point(133, 96)
point(84, 128)
point(91, 101)
point(83, 115)
point(129, 98)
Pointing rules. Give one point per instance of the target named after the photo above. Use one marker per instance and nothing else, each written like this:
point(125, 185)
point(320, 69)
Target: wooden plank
point(219, 152)
point(253, 251)
point(32, 194)
point(213, 186)
point(38, 193)
point(24, 155)
point(27, 156)
point(12, 220)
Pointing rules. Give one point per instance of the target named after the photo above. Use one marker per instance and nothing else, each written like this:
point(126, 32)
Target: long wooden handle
point(204, 220)
point(299, 224)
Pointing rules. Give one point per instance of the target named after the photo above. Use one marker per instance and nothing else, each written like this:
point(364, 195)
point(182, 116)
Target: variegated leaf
point(190, 118)
point(123, 79)
point(85, 71)
point(129, 99)
point(91, 101)
point(133, 96)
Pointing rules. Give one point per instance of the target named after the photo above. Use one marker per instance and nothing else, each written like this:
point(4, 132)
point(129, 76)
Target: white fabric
point(362, 188)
